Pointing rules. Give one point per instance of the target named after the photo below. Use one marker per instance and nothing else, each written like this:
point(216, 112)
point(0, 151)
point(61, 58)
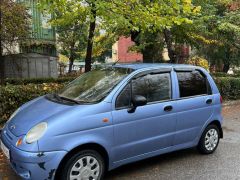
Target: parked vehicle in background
point(113, 116)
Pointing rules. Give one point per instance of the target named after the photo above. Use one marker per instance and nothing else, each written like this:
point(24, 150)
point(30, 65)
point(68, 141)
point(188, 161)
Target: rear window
point(193, 84)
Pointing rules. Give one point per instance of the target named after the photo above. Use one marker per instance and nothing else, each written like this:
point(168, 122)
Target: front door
point(150, 127)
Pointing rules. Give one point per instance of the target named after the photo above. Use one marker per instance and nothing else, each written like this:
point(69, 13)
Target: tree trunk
point(88, 59)
point(226, 62)
point(134, 37)
point(71, 60)
point(147, 52)
point(152, 52)
point(226, 67)
point(2, 73)
point(170, 46)
point(147, 55)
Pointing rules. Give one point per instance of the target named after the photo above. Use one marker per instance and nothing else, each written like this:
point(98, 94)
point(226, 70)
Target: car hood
point(34, 112)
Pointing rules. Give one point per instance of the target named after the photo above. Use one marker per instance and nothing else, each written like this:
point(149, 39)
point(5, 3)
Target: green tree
point(14, 28)
point(102, 45)
point(75, 12)
point(214, 33)
point(217, 34)
point(129, 17)
point(150, 23)
point(72, 29)
point(72, 42)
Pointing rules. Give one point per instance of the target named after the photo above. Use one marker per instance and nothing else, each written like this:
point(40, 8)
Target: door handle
point(168, 108)
point(209, 101)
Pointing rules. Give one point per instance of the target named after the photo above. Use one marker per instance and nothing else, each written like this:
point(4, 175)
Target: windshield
point(95, 85)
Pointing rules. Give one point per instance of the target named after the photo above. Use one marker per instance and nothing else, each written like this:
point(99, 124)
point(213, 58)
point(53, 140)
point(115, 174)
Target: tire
point(88, 164)
point(209, 140)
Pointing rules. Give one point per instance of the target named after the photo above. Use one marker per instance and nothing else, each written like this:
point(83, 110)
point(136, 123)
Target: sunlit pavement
point(224, 164)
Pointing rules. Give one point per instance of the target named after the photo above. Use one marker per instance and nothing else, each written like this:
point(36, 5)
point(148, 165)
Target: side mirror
point(137, 100)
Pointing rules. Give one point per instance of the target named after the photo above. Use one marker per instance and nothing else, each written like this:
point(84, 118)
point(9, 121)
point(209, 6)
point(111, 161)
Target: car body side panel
point(194, 114)
point(215, 117)
point(148, 129)
point(93, 124)
point(152, 154)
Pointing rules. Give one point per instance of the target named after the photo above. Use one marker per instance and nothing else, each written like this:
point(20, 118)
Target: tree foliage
point(210, 27)
point(198, 61)
point(218, 34)
point(149, 23)
point(72, 34)
point(14, 28)
point(14, 23)
point(125, 17)
point(75, 19)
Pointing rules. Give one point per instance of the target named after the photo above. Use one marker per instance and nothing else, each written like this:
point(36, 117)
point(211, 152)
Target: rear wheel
point(209, 140)
point(85, 165)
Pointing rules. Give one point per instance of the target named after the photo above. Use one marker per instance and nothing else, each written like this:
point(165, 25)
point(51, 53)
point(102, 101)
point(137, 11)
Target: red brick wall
point(124, 56)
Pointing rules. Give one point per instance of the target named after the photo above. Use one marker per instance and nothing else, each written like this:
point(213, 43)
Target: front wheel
point(85, 165)
point(209, 140)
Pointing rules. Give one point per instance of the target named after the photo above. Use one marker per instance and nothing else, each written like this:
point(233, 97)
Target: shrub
point(229, 87)
point(13, 96)
point(222, 74)
point(236, 72)
point(198, 61)
point(39, 80)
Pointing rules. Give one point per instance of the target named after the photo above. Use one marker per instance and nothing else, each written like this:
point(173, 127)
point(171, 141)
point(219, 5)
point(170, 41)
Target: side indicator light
point(105, 120)
point(19, 142)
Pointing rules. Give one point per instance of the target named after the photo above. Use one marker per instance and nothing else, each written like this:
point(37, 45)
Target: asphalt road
point(224, 164)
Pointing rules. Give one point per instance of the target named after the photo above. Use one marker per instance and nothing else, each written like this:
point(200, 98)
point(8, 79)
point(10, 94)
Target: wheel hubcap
point(86, 168)
point(211, 139)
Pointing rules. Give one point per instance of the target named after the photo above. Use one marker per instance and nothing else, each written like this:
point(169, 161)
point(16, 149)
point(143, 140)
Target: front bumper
point(33, 165)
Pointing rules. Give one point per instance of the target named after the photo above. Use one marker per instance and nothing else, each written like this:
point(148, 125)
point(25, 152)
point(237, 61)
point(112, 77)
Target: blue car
point(113, 116)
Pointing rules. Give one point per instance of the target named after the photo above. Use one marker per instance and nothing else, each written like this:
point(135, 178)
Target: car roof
point(137, 66)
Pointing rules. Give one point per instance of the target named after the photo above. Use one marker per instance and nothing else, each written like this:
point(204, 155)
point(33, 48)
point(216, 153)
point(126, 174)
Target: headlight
point(36, 133)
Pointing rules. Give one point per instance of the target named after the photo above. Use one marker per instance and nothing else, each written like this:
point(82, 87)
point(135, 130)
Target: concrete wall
point(30, 66)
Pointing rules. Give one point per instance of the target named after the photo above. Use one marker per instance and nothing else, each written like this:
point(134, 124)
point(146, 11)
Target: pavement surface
point(224, 164)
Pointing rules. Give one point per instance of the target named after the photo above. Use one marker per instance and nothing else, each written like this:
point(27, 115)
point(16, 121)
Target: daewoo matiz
point(112, 116)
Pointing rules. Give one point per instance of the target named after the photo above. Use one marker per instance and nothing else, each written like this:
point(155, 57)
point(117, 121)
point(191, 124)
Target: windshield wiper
point(66, 99)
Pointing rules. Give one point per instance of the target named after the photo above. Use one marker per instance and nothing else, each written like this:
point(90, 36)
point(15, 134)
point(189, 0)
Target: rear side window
point(193, 84)
point(154, 87)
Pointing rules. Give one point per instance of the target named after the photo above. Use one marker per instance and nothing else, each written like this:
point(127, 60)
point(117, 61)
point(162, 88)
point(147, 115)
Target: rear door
point(194, 105)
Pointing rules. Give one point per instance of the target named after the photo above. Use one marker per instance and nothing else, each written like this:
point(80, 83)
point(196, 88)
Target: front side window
point(95, 85)
point(154, 87)
point(124, 98)
point(192, 84)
